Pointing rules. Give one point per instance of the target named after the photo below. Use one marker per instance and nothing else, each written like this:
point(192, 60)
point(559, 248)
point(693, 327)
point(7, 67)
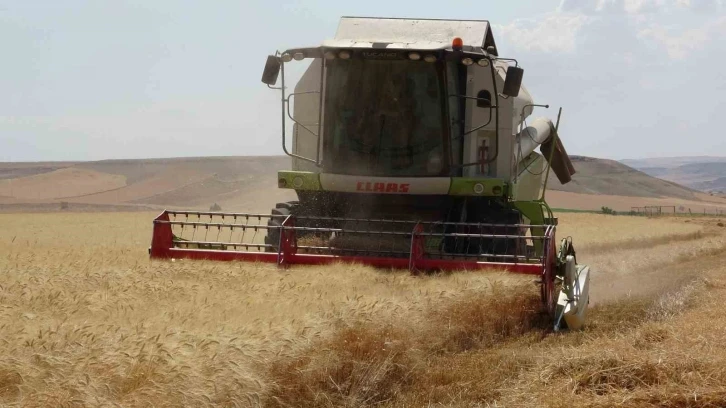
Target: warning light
point(457, 44)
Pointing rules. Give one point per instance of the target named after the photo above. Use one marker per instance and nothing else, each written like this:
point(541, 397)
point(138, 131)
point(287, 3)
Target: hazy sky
point(90, 80)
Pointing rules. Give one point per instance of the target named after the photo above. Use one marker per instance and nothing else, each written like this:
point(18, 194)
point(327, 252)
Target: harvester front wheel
point(280, 212)
point(274, 224)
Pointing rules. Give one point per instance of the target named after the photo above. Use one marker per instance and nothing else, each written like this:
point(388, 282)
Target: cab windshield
point(384, 118)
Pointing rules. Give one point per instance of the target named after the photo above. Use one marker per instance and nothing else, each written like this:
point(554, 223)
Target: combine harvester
point(410, 149)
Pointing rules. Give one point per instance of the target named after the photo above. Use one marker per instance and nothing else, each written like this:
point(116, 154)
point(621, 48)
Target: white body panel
point(528, 185)
point(532, 136)
point(510, 117)
point(411, 31)
point(385, 185)
point(480, 78)
point(575, 296)
point(420, 45)
point(384, 33)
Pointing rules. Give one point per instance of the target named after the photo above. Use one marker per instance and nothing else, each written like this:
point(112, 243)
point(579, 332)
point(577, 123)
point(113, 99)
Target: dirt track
point(563, 199)
point(662, 253)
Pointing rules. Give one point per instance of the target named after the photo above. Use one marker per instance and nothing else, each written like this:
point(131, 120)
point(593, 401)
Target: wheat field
point(86, 319)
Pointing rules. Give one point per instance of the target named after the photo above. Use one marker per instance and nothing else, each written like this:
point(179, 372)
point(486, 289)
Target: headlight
point(483, 62)
point(344, 55)
point(414, 56)
point(478, 188)
point(430, 58)
point(330, 55)
point(286, 57)
point(467, 61)
point(299, 56)
point(297, 182)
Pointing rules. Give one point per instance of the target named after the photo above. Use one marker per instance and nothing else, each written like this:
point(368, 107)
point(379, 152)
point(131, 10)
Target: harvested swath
point(369, 363)
point(605, 232)
point(650, 242)
point(494, 349)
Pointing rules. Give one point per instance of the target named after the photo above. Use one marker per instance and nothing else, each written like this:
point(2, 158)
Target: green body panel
point(535, 212)
point(310, 180)
point(526, 187)
point(462, 186)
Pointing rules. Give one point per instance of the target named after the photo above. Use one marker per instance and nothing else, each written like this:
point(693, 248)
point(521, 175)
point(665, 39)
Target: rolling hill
point(609, 177)
point(231, 182)
point(701, 173)
point(250, 184)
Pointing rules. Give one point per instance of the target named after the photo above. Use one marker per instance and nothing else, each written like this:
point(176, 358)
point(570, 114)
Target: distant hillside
point(702, 173)
point(671, 161)
point(610, 177)
point(250, 184)
point(234, 183)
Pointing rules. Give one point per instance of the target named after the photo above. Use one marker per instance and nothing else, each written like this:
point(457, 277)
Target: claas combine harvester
point(410, 149)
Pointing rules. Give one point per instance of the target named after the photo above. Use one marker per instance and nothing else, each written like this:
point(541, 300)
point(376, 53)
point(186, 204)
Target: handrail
point(284, 101)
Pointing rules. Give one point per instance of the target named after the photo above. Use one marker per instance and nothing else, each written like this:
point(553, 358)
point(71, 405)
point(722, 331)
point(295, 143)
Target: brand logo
point(380, 54)
point(367, 186)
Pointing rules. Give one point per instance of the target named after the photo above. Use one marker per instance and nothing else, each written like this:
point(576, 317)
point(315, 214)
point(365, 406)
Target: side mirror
point(513, 81)
point(272, 70)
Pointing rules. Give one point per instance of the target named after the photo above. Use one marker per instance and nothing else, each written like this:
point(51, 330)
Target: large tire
point(272, 238)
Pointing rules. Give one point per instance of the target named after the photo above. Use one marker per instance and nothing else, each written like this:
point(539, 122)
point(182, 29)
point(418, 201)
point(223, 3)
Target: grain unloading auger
point(410, 149)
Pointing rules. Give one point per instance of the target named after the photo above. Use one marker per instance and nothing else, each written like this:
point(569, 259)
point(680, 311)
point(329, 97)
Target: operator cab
point(404, 108)
point(385, 117)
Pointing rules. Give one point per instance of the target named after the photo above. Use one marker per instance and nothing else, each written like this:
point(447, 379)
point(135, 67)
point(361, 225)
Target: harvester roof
point(401, 33)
